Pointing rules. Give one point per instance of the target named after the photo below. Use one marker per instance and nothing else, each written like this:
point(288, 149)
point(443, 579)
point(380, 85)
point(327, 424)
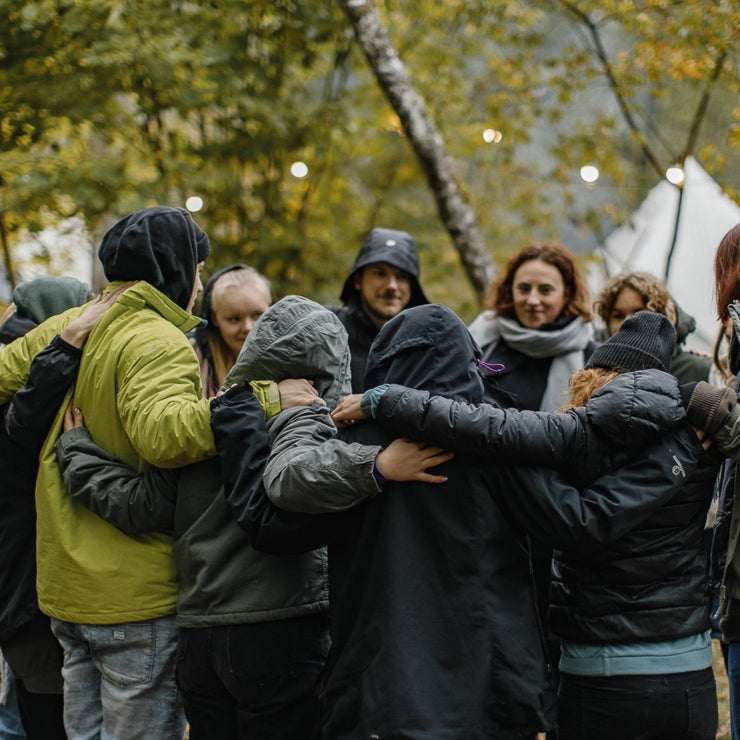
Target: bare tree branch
point(603, 58)
point(425, 139)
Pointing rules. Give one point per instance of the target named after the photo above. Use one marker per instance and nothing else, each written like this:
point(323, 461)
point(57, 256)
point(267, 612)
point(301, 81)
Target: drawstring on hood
point(494, 367)
point(160, 245)
point(297, 338)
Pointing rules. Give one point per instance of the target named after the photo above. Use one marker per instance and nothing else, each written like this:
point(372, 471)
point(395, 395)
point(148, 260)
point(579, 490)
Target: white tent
point(644, 243)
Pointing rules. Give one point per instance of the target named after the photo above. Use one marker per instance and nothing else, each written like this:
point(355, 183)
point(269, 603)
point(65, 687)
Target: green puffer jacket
point(140, 392)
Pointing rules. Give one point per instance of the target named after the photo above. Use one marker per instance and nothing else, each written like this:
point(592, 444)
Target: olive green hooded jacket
point(140, 392)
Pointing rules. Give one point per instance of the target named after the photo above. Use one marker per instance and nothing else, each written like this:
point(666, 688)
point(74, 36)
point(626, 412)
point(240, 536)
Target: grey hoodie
point(298, 338)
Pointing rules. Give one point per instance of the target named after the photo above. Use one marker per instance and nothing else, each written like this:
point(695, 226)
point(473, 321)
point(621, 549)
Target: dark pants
point(733, 678)
point(253, 681)
point(35, 657)
point(670, 706)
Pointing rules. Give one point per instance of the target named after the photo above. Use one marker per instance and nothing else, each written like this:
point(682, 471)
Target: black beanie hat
point(645, 340)
point(160, 245)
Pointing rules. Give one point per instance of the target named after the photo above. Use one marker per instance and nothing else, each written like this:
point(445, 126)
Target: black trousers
point(253, 681)
point(672, 706)
point(35, 657)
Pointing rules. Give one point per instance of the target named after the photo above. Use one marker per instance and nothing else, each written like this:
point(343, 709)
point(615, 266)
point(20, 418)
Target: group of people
point(285, 520)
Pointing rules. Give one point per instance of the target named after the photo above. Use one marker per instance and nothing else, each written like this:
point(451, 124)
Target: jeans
point(11, 727)
point(119, 680)
point(670, 706)
point(253, 681)
point(733, 679)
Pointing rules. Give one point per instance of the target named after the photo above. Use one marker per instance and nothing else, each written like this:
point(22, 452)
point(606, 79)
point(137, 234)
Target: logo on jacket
point(678, 468)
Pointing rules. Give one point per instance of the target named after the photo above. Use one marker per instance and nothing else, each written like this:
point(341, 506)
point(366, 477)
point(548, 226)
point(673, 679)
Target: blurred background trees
point(270, 115)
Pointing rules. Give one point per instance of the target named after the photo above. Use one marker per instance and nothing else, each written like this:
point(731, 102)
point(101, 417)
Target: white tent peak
point(643, 244)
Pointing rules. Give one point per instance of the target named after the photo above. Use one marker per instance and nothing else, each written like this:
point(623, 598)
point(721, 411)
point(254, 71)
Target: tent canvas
point(644, 242)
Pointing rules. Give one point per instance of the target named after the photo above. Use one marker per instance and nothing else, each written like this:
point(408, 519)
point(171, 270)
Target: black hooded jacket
point(434, 620)
point(397, 248)
point(160, 245)
point(25, 424)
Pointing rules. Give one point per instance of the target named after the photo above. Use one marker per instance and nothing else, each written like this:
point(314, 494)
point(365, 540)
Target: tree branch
point(425, 139)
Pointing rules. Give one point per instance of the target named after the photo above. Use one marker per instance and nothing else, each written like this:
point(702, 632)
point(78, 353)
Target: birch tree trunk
point(426, 141)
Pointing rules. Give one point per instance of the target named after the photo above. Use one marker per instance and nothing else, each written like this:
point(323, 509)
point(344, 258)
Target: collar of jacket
point(143, 295)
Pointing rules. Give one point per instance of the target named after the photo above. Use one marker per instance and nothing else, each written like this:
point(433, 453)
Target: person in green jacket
point(112, 597)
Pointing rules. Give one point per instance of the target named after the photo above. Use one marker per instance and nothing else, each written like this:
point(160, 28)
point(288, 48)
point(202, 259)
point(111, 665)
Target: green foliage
point(106, 107)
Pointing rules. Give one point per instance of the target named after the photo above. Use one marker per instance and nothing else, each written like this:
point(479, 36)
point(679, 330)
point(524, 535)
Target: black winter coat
point(435, 627)
point(26, 423)
point(651, 582)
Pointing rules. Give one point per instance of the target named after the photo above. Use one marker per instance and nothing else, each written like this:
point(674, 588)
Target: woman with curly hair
point(630, 292)
point(536, 327)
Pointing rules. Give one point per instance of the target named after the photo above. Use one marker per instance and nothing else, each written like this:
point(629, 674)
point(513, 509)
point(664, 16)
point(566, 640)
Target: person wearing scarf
point(536, 331)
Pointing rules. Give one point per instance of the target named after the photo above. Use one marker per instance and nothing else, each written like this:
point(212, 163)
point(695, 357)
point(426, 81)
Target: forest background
point(301, 125)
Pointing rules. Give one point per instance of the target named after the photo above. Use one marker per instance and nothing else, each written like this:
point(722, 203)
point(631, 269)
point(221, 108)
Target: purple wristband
point(380, 479)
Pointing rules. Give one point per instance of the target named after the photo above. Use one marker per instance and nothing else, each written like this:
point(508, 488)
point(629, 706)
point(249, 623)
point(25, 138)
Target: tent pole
point(675, 234)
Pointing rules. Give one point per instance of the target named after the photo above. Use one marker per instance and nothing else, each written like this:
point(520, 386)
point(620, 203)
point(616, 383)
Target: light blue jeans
point(119, 680)
point(11, 727)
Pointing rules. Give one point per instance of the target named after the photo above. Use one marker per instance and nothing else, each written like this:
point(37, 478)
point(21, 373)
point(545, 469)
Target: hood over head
point(46, 296)
point(38, 299)
point(297, 338)
point(397, 248)
point(427, 348)
point(160, 245)
point(685, 324)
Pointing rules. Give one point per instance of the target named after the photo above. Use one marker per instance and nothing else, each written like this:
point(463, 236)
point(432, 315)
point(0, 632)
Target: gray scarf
point(566, 346)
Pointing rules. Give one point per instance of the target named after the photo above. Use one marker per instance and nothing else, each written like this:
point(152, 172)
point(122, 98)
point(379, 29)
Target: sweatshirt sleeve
point(310, 471)
point(133, 502)
point(33, 408)
point(243, 446)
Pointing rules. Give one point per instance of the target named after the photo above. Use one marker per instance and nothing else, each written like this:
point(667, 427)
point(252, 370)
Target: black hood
point(685, 324)
point(397, 248)
point(428, 348)
point(159, 245)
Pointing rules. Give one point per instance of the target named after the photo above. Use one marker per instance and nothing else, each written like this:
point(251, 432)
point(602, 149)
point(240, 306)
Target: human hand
point(72, 417)
point(297, 392)
point(77, 331)
point(406, 460)
point(348, 410)
point(704, 438)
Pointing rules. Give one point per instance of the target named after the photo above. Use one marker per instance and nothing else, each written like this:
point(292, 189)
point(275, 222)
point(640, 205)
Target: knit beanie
point(645, 340)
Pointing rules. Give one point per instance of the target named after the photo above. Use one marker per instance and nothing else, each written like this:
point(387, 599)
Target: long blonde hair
point(223, 357)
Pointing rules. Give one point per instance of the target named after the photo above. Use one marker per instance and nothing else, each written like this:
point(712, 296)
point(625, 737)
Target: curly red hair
point(499, 296)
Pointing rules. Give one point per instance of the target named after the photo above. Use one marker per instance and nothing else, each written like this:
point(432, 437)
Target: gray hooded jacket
point(223, 579)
